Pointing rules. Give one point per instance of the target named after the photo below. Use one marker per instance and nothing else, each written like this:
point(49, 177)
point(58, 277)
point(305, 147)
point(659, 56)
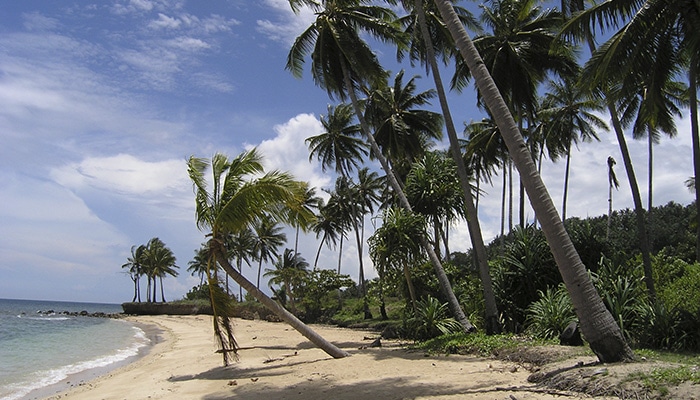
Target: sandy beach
point(276, 362)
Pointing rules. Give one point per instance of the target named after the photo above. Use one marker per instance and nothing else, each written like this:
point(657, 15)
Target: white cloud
point(288, 152)
point(37, 22)
point(288, 24)
point(165, 22)
point(124, 174)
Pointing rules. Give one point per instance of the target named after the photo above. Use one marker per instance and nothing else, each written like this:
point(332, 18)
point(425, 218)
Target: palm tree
point(161, 262)
point(135, 265)
point(199, 264)
point(402, 129)
point(519, 53)
point(269, 237)
point(236, 202)
point(343, 63)
point(299, 214)
point(648, 27)
point(328, 226)
point(436, 38)
point(289, 272)
point(597, 324)
point(338, 146)
point(241, 247)
point(567, 116)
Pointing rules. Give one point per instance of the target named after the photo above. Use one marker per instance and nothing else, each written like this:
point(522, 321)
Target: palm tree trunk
point(257, 285)
point(597, 324)
point(475, 234)
point(650, 184)
point(694, 131)
point(443, 281)
point(411, 289)
point(567, 171)
point(162, 295)
point(239, 264)
point(275, 307)
point(637, 199)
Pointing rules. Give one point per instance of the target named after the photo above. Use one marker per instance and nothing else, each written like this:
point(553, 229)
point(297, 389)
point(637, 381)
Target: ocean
point(40, 349)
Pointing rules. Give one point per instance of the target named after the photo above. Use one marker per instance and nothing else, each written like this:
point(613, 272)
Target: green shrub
point(431, 320)
point(550, 315)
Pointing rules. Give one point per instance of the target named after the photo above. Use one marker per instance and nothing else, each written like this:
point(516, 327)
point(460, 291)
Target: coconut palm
point(597, 324)
point(402, 129)
point(241, 247)
point(237, 200)
point(339, 146)
point(161, 262)
point(342, 64)
point(135, 268)
point(646, 30)
point(519, 52)
point(199, 264)
point(289, 272)
point(567, 116)
point(268, 237)
point(329, 226)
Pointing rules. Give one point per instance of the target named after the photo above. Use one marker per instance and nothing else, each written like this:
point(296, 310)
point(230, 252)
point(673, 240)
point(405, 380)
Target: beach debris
point(254, 379)
point(232, 383)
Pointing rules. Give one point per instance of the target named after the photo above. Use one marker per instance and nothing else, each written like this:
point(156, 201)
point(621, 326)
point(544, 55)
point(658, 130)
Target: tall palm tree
point(135, 265)
point(342, 64)
point(161, 261)
point(519, 52)
point(366, 195)
point(567, 116)
point(339, 146)
point(241, 247)
point(236, 201)
point(328, 226)
point(597, 324)
point(642, 41)
point(402, 129)
point(289, 272)
point(199, 264)
point(269, 237)
point(298, 215)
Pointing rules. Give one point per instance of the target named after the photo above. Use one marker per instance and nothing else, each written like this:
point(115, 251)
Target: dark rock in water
point(84, 313)
point(571, 336)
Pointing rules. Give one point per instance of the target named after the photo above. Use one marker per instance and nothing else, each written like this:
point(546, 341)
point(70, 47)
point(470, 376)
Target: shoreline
point(153, 332)
point(275, 361)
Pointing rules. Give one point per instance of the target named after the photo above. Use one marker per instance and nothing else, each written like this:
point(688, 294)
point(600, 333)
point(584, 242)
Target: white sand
point(276, 362)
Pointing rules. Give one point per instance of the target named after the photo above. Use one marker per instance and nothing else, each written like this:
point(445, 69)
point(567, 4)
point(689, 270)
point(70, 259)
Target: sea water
point(39, 349)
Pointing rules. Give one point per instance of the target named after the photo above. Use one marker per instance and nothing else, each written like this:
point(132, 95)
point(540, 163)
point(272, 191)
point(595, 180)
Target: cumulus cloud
point(287, 151)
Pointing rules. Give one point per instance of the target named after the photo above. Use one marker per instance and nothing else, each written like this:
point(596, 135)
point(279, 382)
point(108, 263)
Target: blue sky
point(102, 103)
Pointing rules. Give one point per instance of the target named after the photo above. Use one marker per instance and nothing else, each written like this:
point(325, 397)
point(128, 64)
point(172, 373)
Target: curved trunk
point(275, 307)
point(597, 324)
point(444, 282)
point(491, 311)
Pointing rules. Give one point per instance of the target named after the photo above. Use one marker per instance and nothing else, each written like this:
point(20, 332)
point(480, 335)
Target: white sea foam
point(40, 379)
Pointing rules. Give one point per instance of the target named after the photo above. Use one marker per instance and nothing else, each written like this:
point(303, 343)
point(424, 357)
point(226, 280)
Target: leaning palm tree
point(342, 64)
point(428, 37)
point(135, 267)
point(597, 324)
point(236, 201)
